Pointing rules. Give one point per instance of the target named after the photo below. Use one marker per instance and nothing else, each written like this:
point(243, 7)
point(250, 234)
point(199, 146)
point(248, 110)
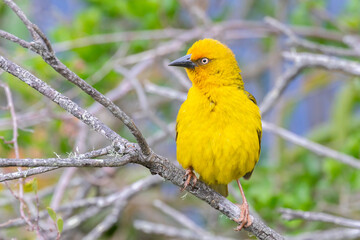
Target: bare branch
point(180, 218)
point(142, 95)
point(109, 65)
point(25, 173)
point(173, 232)
point(65, 162)
point(166, 230)
point(197, 12)
point(42, 193)
point(271, 98)
point(295, 40)
point(165, 91)
point(289, 214)
point(117, 37)
point(59, 191)
point(353, 41)
point(160, 34)
point(179, 75)
point(61, 100)
point(39, 170)
point(23, 18)
point(108, 222)
point(14, 39)
point(333, 234)
point(324, 61)
point(14, 141)
point(312, 146)
point(161, 135)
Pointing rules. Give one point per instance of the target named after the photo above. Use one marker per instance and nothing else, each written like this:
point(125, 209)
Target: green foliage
point(31, 186)
point(60, 224)
point(301, 15)
point(56, 219)
point(51, 213)
point(262, 8)
point(350, 18)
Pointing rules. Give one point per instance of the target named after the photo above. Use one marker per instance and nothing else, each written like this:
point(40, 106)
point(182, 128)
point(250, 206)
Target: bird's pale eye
point(204, 61)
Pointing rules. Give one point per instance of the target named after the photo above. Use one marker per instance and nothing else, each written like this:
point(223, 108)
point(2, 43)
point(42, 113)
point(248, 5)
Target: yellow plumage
point(219, 124)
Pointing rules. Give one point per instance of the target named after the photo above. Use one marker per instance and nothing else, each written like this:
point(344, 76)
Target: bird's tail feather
point(220, 188)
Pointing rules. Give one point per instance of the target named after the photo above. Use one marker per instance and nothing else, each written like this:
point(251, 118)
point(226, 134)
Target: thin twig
point(271, 98)
point(183, 80)
point(333, 234)
point(14, 39)
point(160, 135)
point(165, 91)
point(61, 100)
point(142, 95)
point(117, 37)
point(39, 170)
point(65, 162)
point(96, 202)
point(289, 214)
point(324, 61)
point(197, 12)
point(316, 148)
point(23, 18)
point(15, 143)
point(180, 218)
point(295, 40)
point(165, 230)
point(173, 232)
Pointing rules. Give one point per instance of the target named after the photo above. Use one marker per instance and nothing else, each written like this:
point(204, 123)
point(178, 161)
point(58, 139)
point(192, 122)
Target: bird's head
point(210, 63)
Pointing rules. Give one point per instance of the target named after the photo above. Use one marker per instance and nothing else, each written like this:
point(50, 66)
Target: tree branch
point(289, 214)
point(61, 100)
point(66, 162)
point(295, 40)
point(173, 232)
point(324, 61)
point(316, 148)
point(271, 98)
point(39, 170)
point(333, 234)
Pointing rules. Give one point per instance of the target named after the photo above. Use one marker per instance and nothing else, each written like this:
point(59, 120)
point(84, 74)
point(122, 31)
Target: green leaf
point(60, 224)
point(31, 185)
point(52, 213)
point(35, 185)
point(28, 186)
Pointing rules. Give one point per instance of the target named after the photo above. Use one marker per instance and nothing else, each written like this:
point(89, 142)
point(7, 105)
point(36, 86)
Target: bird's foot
point(245, 219)
point(188, 175)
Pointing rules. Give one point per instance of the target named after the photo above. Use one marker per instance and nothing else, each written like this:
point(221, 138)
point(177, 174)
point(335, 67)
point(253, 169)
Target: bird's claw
point(188, 175)
point(244, 219)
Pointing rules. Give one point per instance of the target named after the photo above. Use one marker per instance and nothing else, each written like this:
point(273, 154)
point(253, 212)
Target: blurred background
point(122, 48)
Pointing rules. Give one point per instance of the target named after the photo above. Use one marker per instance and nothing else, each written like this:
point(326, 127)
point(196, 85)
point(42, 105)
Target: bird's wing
point(251, 97)
point(259, 132)
point(176, 130)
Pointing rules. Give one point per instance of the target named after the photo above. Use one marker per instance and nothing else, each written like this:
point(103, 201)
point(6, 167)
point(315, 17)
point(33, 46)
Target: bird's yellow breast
point(217, 133)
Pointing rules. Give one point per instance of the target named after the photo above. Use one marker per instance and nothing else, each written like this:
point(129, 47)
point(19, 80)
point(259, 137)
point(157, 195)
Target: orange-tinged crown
point(209, 48)
point(222, 68)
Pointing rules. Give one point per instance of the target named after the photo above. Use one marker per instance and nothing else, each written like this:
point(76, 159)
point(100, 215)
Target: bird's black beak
point(184, 61)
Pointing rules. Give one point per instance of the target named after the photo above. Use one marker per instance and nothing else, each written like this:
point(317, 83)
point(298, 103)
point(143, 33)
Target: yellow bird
point(218, 130)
